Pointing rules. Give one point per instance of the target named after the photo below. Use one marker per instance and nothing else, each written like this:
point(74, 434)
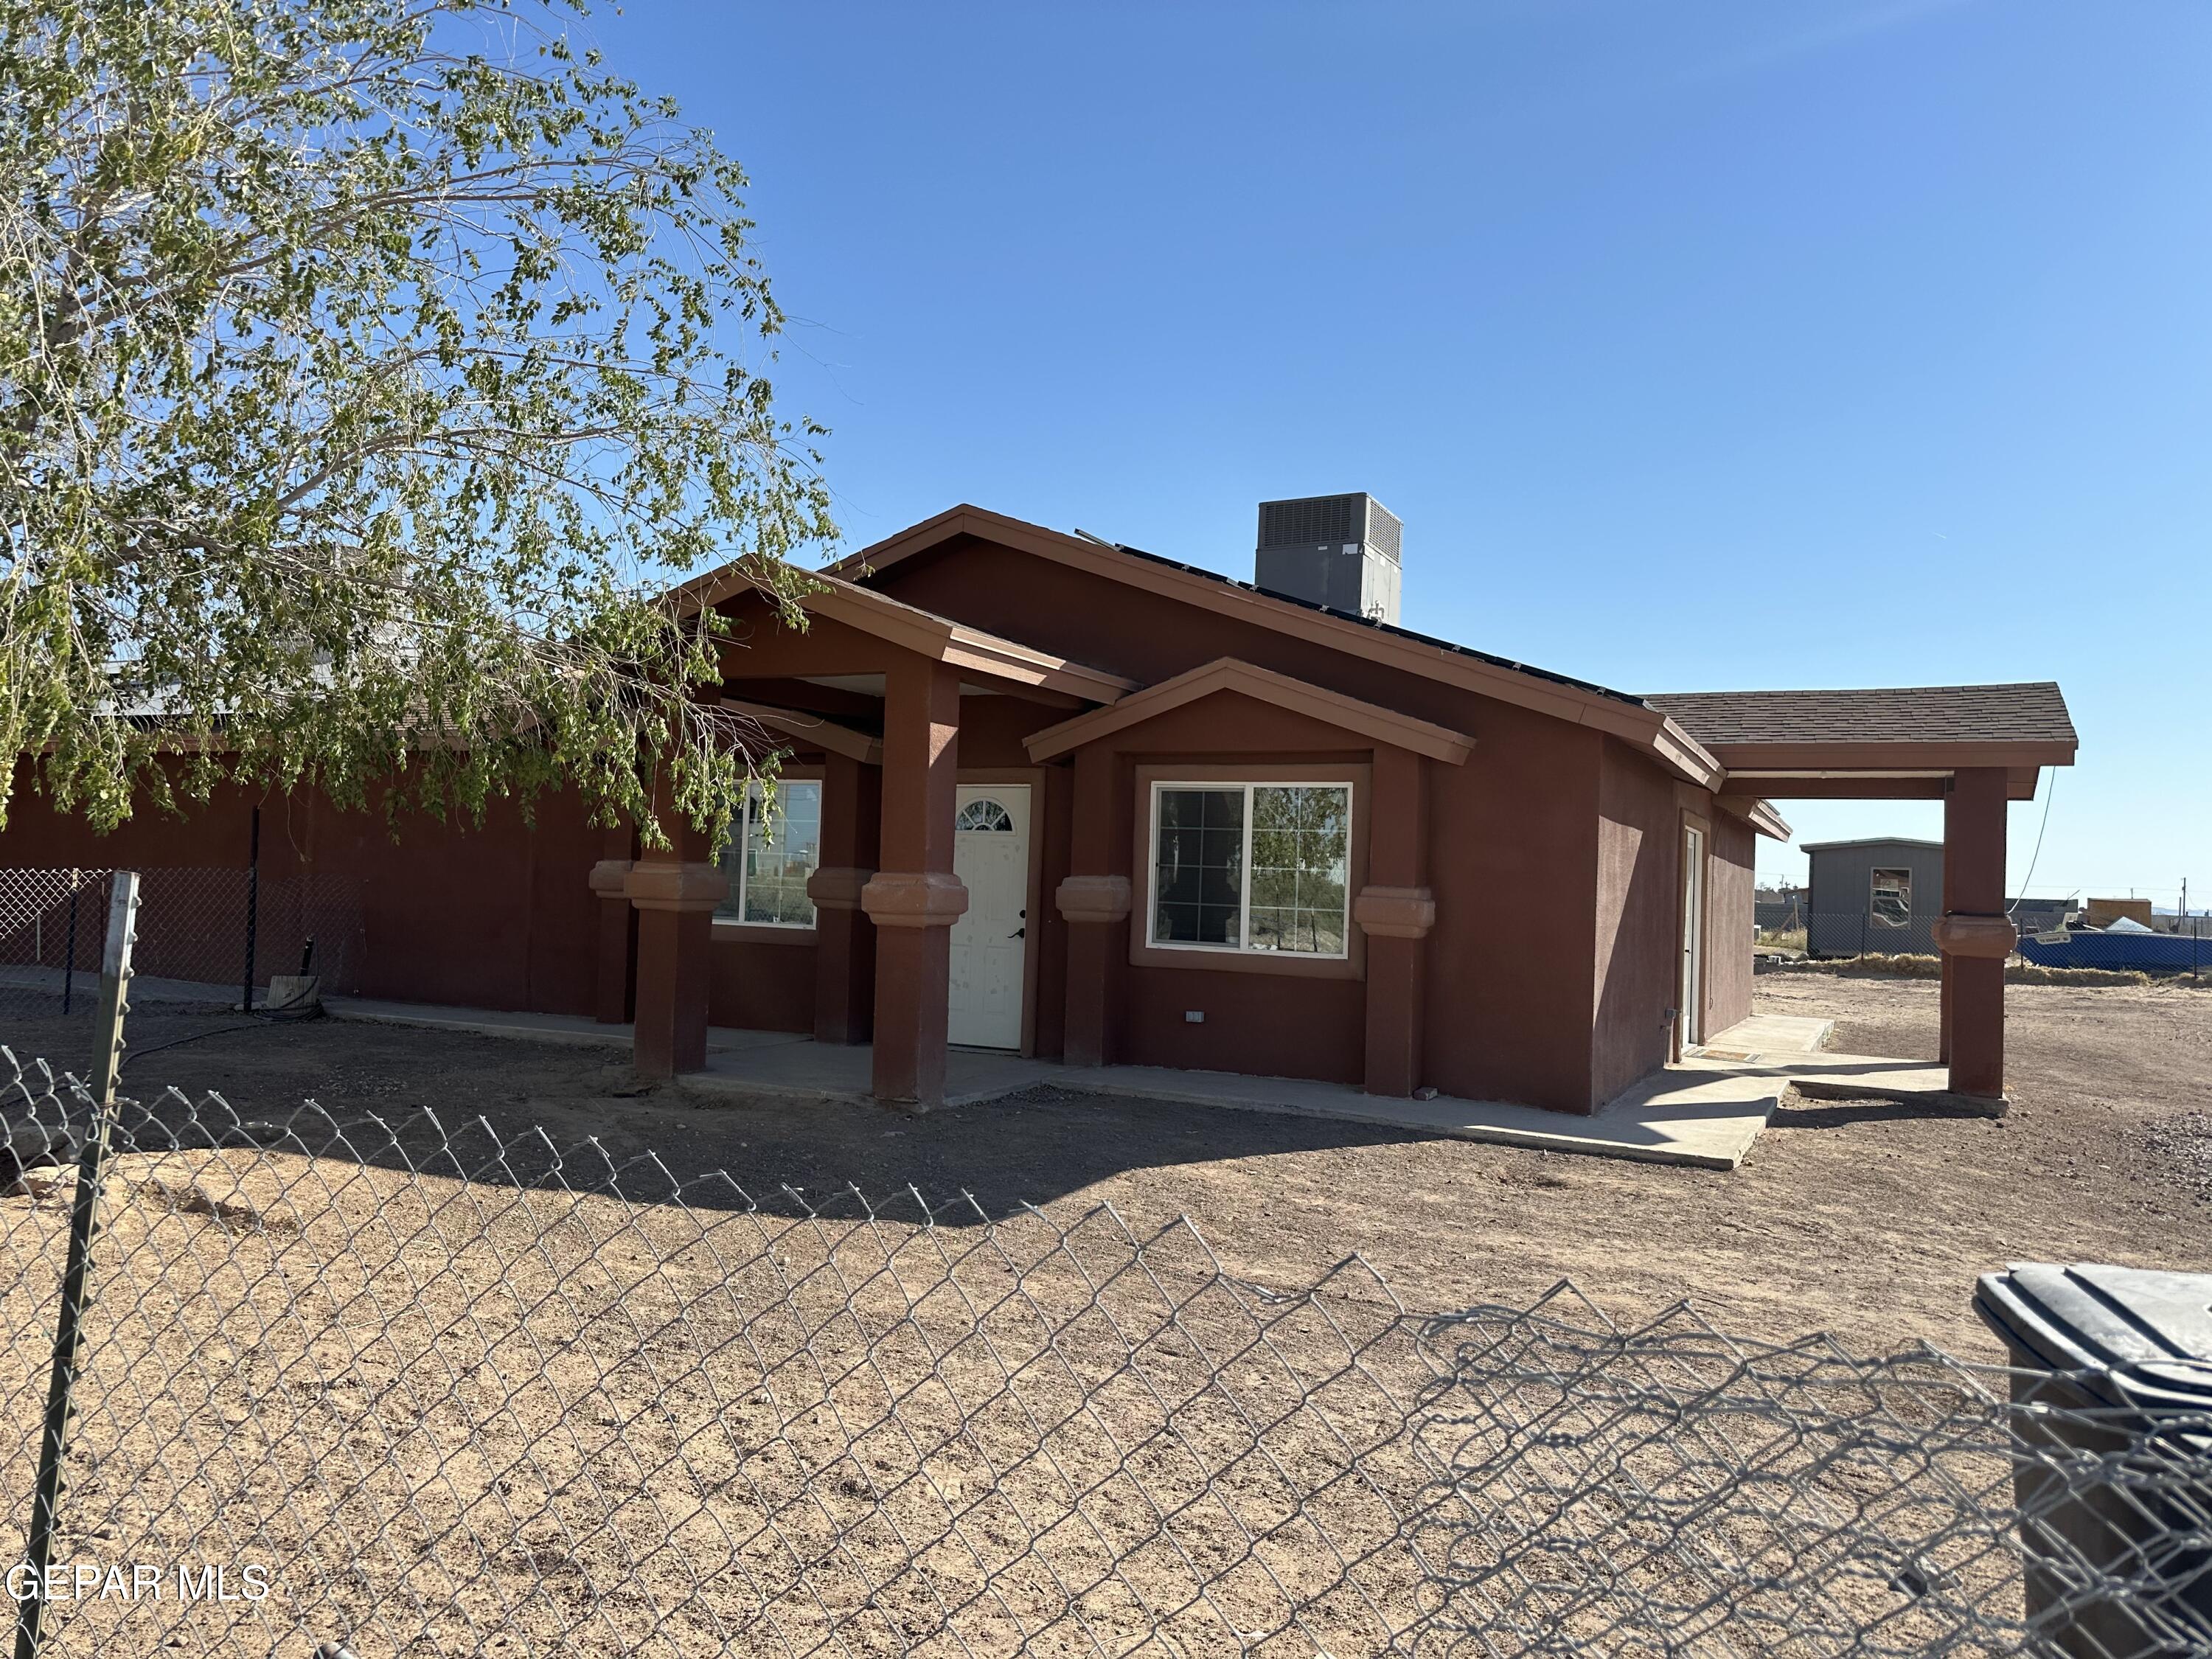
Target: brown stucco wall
point(1512, 838)
point(496, 916)
point(1732, 878)
point(1640, 835)
point(762, 986)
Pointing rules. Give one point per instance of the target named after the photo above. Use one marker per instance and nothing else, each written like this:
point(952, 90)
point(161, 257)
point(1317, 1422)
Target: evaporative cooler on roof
point(1340, 551)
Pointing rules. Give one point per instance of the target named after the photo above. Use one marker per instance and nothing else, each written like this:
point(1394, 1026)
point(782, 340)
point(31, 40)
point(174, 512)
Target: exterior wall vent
point(1340, 551)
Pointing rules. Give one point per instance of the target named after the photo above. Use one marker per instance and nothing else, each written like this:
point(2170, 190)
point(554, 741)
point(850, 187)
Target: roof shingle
point(2030, 712)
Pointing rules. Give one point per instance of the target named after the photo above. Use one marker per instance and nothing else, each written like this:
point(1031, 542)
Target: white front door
point(1691, 1016)
point(991, 854)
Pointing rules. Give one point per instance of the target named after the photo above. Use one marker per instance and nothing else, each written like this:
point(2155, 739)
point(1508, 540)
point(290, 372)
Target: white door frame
point(1690, 975)
point(1031, 781)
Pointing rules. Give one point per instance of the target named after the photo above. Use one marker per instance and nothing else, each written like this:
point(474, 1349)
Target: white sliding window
point(1251, 867)
point(775, 846)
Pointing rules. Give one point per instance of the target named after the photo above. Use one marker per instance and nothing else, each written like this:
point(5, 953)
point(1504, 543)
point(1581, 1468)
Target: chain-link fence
point(208, 939)
point(407, 1386)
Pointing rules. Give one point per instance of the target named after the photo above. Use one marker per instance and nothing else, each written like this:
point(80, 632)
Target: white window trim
point(743, 842)
point(1244, 948)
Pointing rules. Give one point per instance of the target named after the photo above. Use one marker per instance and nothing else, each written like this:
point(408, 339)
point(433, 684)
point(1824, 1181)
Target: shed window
point(1251, 867)
point(775, 846)
point(1893, 898)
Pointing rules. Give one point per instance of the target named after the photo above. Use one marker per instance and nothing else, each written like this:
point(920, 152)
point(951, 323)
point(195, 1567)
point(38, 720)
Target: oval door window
point(985, 814)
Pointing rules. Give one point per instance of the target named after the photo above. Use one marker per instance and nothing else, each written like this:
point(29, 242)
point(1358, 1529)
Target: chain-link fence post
point(253, 909)
point(84, 1225)
point(68, 956)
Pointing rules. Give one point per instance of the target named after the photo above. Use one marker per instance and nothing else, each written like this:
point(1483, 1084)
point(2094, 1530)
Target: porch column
point(1395, 910)
point(1975, 935)
point(1943, 960)
point(614, 951)
point(1095, 904)
point(844, 961)
point(674, 891)
point(915, 898)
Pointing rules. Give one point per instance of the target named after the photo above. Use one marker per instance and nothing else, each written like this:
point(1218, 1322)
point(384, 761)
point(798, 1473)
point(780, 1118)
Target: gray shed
point(1882, 895)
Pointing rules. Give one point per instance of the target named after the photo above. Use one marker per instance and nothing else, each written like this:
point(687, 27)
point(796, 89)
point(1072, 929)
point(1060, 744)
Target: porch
point(1974, 748)
point(1703, 1113)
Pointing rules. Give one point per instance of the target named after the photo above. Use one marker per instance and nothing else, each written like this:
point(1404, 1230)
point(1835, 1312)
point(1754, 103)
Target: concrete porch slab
point(804, 1069)
point(1705, 1119)
point(575, 1029)
point(1768, 1036)
point(1767, 1045)
point(1704, 1112)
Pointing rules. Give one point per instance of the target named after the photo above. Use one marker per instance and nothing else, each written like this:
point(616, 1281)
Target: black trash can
point(2112, 1468)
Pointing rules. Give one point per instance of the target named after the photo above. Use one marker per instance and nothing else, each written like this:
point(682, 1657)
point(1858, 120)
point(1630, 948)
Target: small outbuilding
point(1883, 893)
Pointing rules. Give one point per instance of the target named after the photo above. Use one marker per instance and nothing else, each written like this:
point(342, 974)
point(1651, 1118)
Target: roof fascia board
point(1840, 757)
point(1228, 674)
point(927, 635)
point(1758, 814)
point(812, 729)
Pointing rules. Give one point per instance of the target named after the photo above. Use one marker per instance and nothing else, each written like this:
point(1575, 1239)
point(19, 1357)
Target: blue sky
point(1699, 344)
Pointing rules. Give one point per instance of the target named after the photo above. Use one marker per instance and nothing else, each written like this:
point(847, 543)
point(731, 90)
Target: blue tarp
point(2148, 953)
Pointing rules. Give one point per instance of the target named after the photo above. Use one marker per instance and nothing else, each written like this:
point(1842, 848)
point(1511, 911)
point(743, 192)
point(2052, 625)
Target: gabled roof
point(2032, 712)
point(1227, 674)
point(923, 632)
point(1579, 702)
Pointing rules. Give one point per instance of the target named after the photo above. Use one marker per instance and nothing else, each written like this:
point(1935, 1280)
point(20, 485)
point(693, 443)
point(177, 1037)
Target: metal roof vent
point(1340, 551)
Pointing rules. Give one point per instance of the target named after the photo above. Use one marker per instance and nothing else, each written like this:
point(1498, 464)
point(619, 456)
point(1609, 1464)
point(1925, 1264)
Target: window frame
point(735, 928)
point(1356, 777)
point(1873, 895)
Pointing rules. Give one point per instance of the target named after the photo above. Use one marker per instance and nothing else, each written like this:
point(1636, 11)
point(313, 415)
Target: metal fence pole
point(84, 1226)
point(253, 909)
point(68, 956)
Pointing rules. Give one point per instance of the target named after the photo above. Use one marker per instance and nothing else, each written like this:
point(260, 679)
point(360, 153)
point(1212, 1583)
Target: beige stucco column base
point(675, 887)
point(1093, 898)
point(915, 898)
point(1395, 912)
point(1956, 935)
point(835, 889)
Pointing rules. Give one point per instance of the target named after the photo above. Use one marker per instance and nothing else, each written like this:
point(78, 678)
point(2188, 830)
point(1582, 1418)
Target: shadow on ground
point(497, 1110)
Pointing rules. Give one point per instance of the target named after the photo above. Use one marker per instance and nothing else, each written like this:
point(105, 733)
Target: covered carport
point(1975, 748)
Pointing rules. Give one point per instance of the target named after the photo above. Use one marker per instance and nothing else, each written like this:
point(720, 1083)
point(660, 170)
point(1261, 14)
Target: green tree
point(367, 370)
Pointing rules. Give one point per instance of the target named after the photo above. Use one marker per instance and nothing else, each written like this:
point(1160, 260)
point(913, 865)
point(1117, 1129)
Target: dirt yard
point(1865, 1220)
point(522, 1414)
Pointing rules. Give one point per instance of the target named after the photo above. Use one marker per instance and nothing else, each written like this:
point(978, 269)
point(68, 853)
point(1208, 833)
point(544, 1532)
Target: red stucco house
point(1045, 793)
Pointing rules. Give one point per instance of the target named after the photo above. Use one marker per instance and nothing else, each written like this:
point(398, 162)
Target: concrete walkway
point(575, 1029)
point(1705, 1118)
point(1790, 1047)
point(1704, 1112)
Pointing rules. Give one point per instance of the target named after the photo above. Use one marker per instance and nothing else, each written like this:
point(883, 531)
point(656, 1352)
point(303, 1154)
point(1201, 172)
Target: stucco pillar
point(1943, 960)
point(614, 954)
point(844, 939)
point(674, 891)
point(1975, 935)
point(1395, 909)
point(1094, 902)
point(913, 898)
